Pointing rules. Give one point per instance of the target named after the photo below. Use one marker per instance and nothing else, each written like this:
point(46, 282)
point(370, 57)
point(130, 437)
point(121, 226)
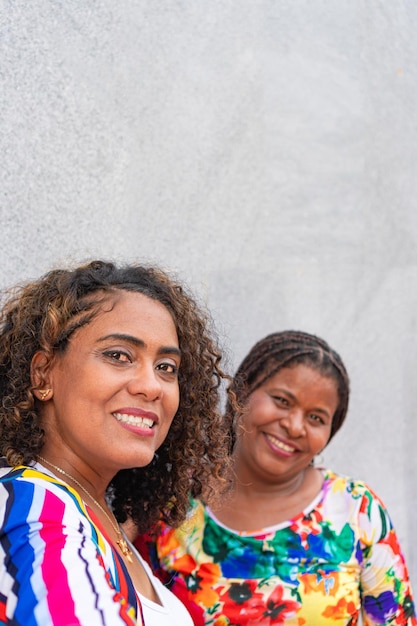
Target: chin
point(142, 460)
point(131, 459)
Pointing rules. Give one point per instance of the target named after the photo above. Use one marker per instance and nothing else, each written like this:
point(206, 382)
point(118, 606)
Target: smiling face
point(114, 389)
point(287, 421)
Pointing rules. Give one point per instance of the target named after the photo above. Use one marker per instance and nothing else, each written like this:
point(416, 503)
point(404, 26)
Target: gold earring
point(44, 393)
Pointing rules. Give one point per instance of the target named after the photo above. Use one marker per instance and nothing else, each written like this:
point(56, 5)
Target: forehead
point(308, 382)
point(131, 313)
point(303, 373)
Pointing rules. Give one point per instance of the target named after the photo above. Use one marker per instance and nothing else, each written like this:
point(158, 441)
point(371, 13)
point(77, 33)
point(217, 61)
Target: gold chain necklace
point(121, 542)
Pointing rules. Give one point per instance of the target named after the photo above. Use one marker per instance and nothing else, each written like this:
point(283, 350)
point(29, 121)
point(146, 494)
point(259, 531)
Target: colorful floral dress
point(337, 560)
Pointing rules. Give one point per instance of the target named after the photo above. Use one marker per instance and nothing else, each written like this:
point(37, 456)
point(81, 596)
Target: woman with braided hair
point(109, 385)
point(291, 543)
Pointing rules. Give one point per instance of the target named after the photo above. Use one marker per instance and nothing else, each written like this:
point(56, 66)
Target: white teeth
point(133, 420)
point(280, 444)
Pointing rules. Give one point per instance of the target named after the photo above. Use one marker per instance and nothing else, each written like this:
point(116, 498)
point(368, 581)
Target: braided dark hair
point(286, 349)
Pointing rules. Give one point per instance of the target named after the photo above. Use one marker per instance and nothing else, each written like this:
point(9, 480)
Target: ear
point(40, 376)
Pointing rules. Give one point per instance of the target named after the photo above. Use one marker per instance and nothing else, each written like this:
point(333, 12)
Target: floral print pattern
point(333, 562)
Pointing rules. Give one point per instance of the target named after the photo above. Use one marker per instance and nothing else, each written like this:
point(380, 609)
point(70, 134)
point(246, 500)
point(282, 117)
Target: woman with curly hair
point(109, 383)
point(293, 543)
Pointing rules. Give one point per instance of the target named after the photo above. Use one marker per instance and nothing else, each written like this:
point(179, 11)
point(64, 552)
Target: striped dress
point(57, 568)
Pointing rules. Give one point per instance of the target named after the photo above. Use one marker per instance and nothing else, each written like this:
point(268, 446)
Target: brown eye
point(118, 355)
point(169, 368)
point(280, 400)
point(316, 418)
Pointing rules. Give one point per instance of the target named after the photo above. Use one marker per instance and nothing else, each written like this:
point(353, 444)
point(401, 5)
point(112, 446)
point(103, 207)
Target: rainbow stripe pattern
point(57, 568)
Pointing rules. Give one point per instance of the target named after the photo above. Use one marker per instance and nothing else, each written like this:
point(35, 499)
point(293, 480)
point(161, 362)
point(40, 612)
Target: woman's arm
point(385, 584)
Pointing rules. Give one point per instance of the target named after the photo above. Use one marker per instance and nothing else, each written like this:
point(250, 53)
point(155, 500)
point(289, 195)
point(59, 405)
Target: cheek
point(172, 402)
point(177, 396)
point(258, 410)
point(165, 426)
point(322, 439)
point(245, 431)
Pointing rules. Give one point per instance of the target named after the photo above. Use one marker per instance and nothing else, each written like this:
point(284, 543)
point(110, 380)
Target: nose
point(146, 382)
point(294, 423)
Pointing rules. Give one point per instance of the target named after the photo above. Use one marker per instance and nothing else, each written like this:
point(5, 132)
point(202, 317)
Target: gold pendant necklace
point(121, 541)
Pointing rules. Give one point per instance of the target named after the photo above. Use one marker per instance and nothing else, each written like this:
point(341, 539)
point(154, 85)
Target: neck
point(71, 476)
point(255, 502)
point(76, 470)
point(109, 515)
point(252, 481)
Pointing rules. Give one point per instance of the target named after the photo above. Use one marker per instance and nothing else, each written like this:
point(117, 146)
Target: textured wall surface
point(265, 150)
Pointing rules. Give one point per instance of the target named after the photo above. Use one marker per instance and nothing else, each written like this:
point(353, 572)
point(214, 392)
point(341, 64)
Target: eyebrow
point(140, 343)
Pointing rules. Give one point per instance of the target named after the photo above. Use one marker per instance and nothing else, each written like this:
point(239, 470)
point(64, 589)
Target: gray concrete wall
point(265, 150)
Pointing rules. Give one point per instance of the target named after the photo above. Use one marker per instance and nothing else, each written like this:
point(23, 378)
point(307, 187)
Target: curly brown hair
point(42, 315)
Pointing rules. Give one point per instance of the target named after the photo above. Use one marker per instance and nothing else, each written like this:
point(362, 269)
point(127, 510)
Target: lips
point(278, 443)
